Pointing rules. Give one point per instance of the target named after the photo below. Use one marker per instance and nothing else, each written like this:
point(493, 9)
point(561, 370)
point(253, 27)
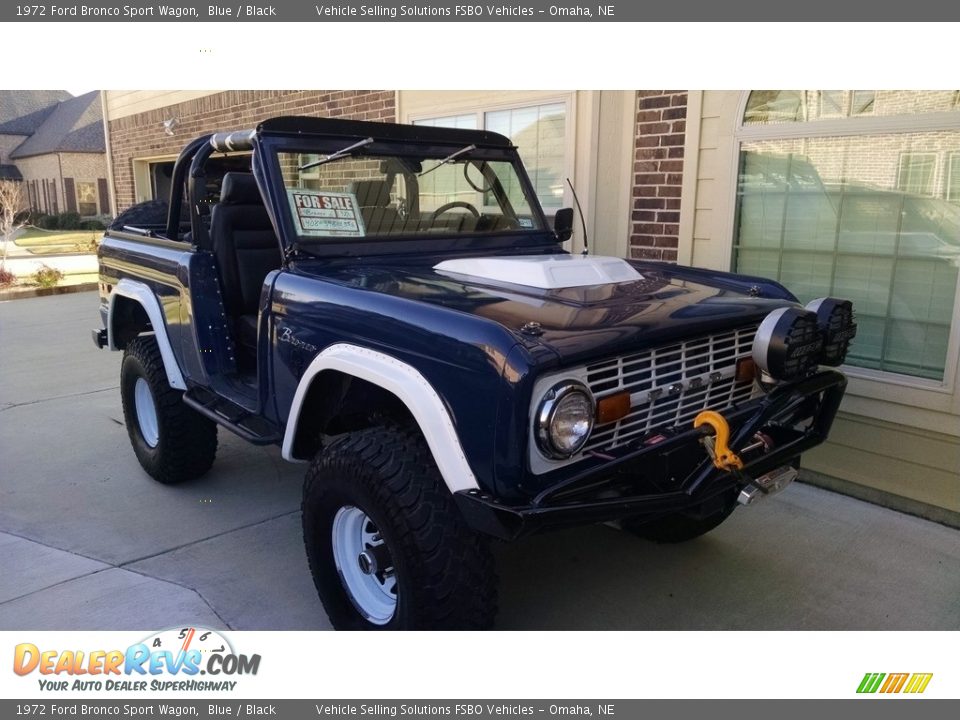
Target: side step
point(238, 420)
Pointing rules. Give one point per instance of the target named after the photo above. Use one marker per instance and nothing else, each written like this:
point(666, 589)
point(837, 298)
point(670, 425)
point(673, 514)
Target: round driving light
point(565, 419)
point(788, 343)
point(835, 319)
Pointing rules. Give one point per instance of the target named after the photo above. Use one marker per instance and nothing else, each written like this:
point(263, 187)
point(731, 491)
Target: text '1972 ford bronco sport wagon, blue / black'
point(388, 304)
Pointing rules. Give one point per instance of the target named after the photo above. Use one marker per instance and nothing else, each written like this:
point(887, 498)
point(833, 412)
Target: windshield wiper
point(448, 158)
point(337, 155)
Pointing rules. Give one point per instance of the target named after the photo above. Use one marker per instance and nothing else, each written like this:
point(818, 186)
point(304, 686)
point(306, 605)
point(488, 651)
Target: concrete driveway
point(88, 541)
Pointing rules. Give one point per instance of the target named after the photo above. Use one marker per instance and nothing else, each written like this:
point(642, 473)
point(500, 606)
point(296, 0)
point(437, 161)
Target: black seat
point(246, 249)
point(373, 197)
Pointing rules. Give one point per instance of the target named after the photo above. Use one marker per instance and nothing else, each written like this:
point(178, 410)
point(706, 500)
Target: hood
point(580, 308)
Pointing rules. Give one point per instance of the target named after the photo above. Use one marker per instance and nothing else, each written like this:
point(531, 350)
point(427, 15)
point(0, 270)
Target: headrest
point(395, 166)
point(371, 193)
point(240, 188)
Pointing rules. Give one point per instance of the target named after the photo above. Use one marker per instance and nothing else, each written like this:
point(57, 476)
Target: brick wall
point(142, 135)
point(657, 173)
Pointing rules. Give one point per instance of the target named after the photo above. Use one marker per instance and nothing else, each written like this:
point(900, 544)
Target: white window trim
point(932, 192)
point(949, 180)
point(141, 174)
point(864, 382)
point(569, 101)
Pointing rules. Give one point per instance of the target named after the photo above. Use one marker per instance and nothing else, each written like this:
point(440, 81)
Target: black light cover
point(788, 343)
point(835, 320)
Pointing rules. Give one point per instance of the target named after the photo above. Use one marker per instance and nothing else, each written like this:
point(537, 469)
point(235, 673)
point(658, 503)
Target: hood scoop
point(547, 272)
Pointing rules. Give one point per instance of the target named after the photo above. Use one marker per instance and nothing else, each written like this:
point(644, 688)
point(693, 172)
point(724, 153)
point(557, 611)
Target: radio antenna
point(583, 223)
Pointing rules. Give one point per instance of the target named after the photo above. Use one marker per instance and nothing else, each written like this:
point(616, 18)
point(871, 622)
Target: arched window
point(856, 193)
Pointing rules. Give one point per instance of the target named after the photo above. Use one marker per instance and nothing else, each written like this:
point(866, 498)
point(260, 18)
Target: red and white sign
point(319, 213)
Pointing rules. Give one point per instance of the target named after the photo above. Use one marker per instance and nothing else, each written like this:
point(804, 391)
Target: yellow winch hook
point(723, 457)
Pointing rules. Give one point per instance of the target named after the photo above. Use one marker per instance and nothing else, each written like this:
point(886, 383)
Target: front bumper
point(797, 416)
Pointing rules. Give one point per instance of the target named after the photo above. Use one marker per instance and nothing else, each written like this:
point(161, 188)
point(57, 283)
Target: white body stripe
point(407, 384)
point(148, 300)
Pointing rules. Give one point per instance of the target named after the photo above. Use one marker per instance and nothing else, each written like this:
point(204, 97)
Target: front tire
point(173, 442)
point(387, 547)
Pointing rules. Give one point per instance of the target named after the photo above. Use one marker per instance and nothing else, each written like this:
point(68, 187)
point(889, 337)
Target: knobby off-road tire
point(442, 573)
point(174, 443)
point(679, 527)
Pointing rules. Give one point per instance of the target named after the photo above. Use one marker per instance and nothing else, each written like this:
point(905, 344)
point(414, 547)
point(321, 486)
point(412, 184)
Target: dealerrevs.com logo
point(911, 683)
point(168, 660)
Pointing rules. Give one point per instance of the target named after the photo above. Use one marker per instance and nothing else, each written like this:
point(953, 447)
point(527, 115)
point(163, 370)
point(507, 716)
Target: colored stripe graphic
point(870, 682)
point(918, 683)
point(895, 683)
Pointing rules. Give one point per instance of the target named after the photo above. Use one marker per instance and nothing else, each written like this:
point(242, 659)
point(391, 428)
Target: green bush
point(47, 276)
point(66, 221)
point(26, 217)
point(70, 221)
point(47, 222)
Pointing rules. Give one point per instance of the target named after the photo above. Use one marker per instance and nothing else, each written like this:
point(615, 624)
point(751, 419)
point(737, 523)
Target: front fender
point(410, 387)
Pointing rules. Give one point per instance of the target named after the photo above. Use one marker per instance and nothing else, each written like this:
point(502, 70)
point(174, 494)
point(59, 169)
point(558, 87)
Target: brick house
point(853, 193)
point(55, 144)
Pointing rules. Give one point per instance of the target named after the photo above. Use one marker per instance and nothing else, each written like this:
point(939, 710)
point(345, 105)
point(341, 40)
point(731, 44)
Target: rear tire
point(172, 441)
point(378, 491)
point(679, 527)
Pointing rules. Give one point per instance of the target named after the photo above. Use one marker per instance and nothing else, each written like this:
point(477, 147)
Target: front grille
point(670, 385)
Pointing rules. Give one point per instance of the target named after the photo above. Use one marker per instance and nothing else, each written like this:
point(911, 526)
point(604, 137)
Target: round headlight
point(788, 343)
point(565, 419)
point(835, 318)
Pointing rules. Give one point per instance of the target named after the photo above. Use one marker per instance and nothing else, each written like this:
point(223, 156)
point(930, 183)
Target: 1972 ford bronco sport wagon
point(389, 305)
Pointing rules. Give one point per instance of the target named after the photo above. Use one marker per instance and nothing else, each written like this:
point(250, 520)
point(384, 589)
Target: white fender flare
point(406, 383)
point(142, 294)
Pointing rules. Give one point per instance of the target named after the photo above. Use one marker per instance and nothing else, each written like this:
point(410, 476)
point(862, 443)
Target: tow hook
point(767, 485)
point(751, 489)
point(723, 457)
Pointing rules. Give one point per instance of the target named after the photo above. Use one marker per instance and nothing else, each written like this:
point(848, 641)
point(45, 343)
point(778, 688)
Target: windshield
point(356, 194)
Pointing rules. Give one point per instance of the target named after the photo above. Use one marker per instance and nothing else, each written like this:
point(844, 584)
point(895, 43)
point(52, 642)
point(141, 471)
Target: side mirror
point(563, 224)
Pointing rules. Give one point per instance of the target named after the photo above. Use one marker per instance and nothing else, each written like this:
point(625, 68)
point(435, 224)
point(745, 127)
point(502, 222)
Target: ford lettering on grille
point(669, 385)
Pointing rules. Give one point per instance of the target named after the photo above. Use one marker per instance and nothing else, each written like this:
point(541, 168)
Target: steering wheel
point(455, 204)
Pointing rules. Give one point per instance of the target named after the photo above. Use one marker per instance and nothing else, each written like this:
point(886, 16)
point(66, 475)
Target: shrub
point(66, 221)
point(70, 221)
point(48, 222)
point(6, 277)
point(26, 217)
point(47, 276)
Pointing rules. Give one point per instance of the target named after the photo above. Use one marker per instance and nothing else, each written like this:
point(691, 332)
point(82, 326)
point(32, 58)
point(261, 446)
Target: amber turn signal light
point(746, 369)
point(613, 408)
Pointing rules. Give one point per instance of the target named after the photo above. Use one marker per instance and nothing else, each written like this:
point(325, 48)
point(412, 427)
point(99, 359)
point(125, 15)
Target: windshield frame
point(271, 146)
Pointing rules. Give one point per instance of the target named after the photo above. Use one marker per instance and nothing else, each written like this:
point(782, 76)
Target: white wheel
point(146, 413)
point(364, 564)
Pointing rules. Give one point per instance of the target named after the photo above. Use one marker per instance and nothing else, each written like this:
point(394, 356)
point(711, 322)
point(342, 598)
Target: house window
point(858, 211)
point(916, 173)
point(86, 198)
point(953, 178)
point(769, 107)
point(540, 134)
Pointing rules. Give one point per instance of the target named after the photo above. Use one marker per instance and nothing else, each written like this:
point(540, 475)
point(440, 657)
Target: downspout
point(691, 169)
point(63, 190)
point(111, 189)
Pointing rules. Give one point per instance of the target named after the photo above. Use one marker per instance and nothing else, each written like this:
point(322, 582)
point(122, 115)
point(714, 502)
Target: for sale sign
point(320, 213)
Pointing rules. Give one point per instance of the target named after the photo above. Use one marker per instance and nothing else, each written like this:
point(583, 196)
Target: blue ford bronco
point(389, 305)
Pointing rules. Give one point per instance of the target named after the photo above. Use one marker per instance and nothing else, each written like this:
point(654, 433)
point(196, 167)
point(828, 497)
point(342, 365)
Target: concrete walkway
point(88, 541)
